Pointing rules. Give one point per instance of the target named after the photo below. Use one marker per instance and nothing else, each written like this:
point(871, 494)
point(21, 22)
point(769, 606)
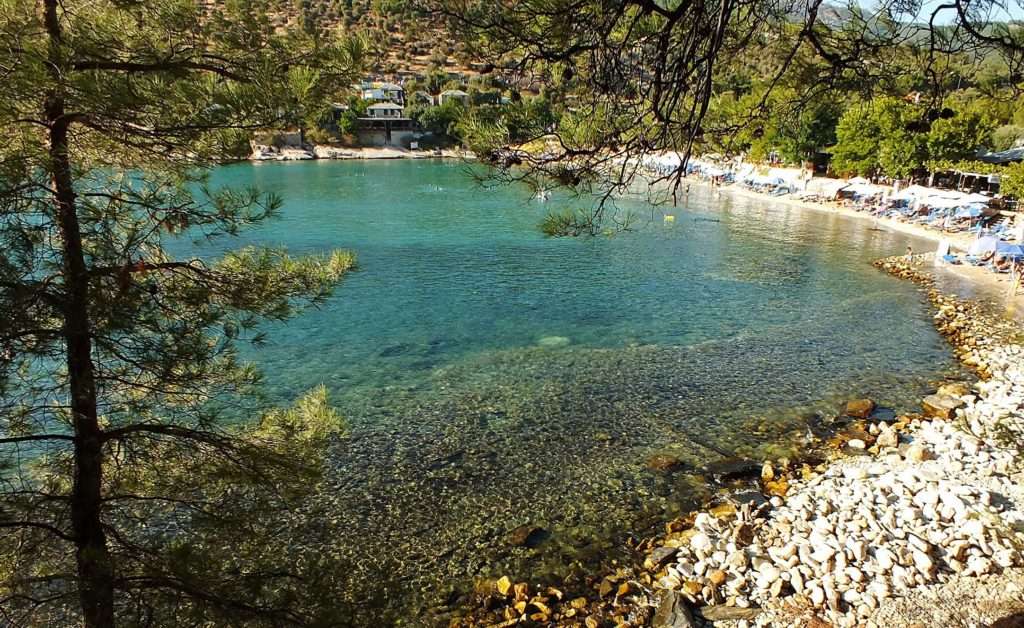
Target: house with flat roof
point(385, 124)
point(385, 110)
point(383, 92)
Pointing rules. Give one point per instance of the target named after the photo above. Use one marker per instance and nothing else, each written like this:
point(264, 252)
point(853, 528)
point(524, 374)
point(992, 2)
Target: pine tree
point(119, 379)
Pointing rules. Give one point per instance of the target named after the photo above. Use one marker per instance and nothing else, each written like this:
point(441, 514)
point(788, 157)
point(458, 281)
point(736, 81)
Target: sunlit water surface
point(493, 377)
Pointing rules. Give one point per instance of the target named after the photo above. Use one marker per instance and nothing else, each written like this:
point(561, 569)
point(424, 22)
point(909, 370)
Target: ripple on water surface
point(495, 378)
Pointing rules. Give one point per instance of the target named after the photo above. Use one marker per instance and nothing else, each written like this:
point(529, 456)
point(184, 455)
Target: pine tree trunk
point(95, 567)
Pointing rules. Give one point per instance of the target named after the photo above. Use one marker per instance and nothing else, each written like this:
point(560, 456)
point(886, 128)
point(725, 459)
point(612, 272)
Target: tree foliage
point(960, 135)
point(891, 137)
point(1012, 180)
point(442, 120)
point(119, 376)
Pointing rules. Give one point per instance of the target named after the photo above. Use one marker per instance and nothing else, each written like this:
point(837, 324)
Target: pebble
point(916, 453)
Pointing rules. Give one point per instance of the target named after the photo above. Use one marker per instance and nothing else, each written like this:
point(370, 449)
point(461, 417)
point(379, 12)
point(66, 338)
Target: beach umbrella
point(983, 245)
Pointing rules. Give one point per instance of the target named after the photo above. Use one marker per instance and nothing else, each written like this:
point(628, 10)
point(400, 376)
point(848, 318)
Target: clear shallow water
point(493, 377)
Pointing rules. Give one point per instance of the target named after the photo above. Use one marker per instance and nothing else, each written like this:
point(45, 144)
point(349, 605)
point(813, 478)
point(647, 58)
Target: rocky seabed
point(918, 523)
point(936, 497)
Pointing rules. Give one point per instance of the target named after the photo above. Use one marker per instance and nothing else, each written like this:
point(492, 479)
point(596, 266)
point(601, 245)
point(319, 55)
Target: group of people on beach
point(1002, 263)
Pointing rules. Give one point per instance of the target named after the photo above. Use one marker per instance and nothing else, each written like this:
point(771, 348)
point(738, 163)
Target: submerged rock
point(885, 415)
point(395, 350)
point(663, 463)
point(733, 469)
point(527, 536)
point(553, 341)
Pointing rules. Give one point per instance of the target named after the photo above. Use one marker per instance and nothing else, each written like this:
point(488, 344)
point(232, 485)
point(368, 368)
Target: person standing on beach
point(910, 253)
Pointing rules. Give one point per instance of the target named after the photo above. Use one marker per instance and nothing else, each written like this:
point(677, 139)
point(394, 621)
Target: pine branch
point(158, 66)
point(36, 437)
point(38, 526)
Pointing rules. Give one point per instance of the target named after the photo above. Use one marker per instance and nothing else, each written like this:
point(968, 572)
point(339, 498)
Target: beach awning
point(1005, 248)
point(944, 201)
point(864, 189)
point(971, 211)
point(983, 245)
point(825, 187)
point(859, 181)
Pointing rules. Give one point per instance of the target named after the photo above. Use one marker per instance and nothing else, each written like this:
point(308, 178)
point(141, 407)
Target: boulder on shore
point(660, 557)
point(860, 408)
point(954, 389)
point(672, 612)
point(941, 406)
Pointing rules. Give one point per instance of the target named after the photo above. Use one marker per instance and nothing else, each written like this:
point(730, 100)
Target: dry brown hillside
point(405, 43)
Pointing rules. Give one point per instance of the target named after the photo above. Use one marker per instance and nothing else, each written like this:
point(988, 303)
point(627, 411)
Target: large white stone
point(701, 541)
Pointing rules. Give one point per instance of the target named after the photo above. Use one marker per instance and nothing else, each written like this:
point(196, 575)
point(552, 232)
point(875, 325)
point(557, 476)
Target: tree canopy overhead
point(644, 77)
point(117, 362)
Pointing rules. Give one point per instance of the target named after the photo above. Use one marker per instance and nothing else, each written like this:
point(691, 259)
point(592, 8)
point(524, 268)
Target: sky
point(1002, 10)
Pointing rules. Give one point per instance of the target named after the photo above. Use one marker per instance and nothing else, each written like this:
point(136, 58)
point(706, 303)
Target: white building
point(382, 110)
point(383, 92)
point(385, 125)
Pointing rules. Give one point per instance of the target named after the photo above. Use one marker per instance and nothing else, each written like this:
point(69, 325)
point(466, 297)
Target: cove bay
point(493, 378)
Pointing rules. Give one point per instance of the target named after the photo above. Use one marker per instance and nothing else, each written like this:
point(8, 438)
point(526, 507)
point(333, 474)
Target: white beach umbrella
point(983, 245)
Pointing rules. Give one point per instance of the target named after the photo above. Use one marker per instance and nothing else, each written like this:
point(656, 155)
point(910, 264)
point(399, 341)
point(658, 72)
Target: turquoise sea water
point(493, 377)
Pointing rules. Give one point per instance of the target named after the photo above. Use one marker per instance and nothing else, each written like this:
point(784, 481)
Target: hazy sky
point(1002, 10)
